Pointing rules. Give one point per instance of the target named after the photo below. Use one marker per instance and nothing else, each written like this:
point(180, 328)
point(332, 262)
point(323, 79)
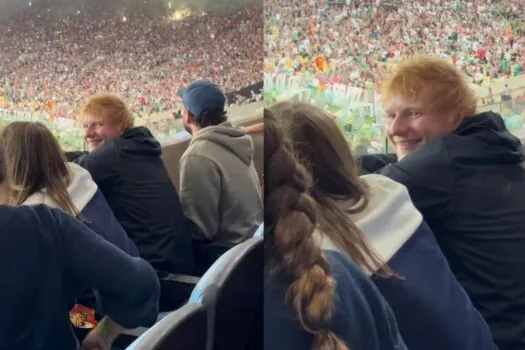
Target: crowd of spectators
point(52, 62)
point(357, 42)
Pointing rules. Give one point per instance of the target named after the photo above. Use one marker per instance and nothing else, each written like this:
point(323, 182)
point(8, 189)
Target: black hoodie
point(470, 187)
point(130, 173)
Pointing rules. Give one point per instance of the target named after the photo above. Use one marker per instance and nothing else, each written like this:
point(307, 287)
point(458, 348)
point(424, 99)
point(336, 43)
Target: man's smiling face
point(97, 130)
point(409, 124)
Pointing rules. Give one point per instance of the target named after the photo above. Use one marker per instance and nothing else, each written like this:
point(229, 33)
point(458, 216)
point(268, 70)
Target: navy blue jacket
point(94, 210)
point(432, 309)
point(98, 217)
point(362, 318)
point(46, 257)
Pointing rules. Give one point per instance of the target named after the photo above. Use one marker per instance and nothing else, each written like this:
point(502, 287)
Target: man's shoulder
point(203, 150)
point(37, 217)
point(107, 149)
point(431, 163)
point(431, 156)
point(371, 163)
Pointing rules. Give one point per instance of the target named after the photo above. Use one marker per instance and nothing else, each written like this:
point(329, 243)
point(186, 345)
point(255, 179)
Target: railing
point(512, 111)
point(357, 110)
point(163, 126)
point(70, 136)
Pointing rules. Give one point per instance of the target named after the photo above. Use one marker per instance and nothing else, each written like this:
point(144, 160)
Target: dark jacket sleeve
point(428, 175)
point(103, 164)
point(72, 156)
point(128, 287)
point(372, 163)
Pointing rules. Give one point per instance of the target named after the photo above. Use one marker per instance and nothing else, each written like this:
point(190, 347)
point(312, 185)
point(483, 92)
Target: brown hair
point(110, 107)
point(4, 180)
point(290, 248)
point(440, 85)
point(34, 161)
point(321, 147)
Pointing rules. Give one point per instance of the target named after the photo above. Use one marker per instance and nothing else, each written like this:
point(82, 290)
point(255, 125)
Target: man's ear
point(457, 119)
point(121, 127)
point(186, 117)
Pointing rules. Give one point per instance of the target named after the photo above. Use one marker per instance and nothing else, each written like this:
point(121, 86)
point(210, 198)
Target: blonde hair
point(110, 107)
point(33, 161)
point(438, 83)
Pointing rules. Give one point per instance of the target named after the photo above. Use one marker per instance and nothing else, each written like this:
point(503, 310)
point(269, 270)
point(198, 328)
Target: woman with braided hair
point(314, 299)
point(372, 220)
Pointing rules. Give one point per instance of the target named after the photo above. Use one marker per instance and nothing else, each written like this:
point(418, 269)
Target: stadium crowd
point(355, 42)
point(52, 62)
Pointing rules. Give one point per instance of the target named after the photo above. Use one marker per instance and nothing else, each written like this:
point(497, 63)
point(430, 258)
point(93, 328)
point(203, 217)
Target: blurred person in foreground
point(125, 162)
point(463, 172)
point(48, 179)
point(47, 256)
point(219, 186)
point(314, 298)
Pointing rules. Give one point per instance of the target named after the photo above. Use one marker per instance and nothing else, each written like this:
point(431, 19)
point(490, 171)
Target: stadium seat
point(257, 332)
point(184, 329)
point(260, 231)
point(207, 253)
point(175, 289)
point(232, 292)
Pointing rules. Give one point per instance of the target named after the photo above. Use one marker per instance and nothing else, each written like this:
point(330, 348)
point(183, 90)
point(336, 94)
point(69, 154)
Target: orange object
point(321, 63)
point(82, 317)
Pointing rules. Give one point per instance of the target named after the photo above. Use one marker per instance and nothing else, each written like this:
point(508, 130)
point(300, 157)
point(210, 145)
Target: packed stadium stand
point(355, 42)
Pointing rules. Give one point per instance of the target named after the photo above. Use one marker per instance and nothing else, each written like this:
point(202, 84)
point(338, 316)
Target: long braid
point(290, 220)
point(320, 146)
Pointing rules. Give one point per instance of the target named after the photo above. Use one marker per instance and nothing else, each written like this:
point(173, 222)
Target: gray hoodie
point(219, 186)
